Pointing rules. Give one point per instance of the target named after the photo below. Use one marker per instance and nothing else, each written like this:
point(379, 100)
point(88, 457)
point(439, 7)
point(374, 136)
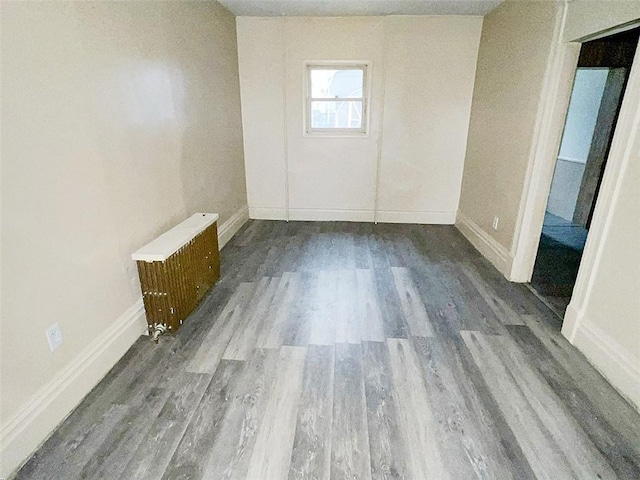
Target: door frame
point(555, 97)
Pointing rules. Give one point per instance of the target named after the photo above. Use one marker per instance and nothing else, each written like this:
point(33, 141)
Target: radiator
point(176, 270)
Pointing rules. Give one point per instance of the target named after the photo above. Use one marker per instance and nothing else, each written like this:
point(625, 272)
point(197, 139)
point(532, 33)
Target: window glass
point(336, 83)
point(336, 114)
point(336, 99)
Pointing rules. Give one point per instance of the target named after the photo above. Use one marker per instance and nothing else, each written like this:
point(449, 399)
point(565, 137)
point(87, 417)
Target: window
point(336, 99)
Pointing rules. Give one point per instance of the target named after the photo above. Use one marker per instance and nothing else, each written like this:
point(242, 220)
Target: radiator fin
point(172, 289)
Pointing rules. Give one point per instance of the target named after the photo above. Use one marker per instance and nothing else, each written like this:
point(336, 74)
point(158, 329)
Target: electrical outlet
point(496, 220)
point(54, 336)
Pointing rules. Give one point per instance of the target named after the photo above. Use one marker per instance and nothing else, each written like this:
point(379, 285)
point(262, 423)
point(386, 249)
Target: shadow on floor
point(559, 254)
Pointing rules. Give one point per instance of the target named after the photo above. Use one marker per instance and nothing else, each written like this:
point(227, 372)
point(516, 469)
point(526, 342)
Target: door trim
point(555, 96)
point(624, 140)
point(549, 128)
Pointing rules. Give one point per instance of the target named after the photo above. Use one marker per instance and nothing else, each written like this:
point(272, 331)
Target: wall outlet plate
point(54, 336)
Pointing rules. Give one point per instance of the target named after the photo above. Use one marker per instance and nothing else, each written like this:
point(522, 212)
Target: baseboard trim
point(234, 223)
point(423, 218)
point(570, 323)
point(260, 213)
point(322, 215)
point(329, 215)
point(616, 364)
point(35, 422)
point(485, 244)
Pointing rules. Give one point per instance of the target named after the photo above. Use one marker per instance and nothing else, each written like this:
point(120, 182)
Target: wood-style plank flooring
point(352, 351)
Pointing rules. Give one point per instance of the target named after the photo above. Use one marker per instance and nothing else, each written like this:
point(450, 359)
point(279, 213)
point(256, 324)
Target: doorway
point(598, 90)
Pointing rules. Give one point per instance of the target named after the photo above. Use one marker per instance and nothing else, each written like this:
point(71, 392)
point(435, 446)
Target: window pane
point(336, 114)
point(336, 83)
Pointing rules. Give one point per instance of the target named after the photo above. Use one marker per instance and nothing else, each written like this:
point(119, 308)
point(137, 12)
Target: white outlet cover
point(54, 336)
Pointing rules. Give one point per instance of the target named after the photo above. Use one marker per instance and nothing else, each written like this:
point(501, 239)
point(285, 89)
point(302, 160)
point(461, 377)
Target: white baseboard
point(425, 218)
point(259, 213)
point(234, 223)
point(328, 215)
point(39, 417)
point(485, 244)
point(321, 215)
point(619, 366)
point(570, 323)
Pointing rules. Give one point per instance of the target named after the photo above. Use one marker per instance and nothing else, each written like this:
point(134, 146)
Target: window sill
point(335, 135)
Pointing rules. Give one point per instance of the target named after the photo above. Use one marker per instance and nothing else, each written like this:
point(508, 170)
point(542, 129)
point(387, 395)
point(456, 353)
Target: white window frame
point(363, 130)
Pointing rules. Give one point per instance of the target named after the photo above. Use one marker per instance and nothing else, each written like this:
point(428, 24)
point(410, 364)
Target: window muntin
point(336, 99)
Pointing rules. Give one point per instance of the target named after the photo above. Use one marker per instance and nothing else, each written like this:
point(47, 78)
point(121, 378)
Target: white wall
point(429, 85)
point(262, 96)
point(586, 96)
point(119, 119)
point(565, 187)
point(329, 178)
point(422, 72)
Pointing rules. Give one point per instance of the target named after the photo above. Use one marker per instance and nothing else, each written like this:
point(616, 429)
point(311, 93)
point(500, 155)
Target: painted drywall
point(262, 97)
point(609, 329)
point(586, 18)
point(586, 96)
point(330, 176)
point(119, 120)
point(602, 319)
point(514, 53)
point(422, 71)
point(351, 8)
point(430, 70)
point(565, 186)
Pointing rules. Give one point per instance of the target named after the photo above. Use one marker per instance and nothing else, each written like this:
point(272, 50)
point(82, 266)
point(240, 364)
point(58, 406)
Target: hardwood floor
point(352, 351)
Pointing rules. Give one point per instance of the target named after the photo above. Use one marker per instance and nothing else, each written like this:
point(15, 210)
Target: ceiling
point(326, 8)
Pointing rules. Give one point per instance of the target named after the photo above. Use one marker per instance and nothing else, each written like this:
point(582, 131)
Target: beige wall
point(514, 61)
point(422, 71)
point(603, 319)
point(119, 119)
point(514, 52)
point(612, 310)
point(588, 17)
